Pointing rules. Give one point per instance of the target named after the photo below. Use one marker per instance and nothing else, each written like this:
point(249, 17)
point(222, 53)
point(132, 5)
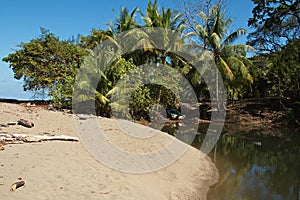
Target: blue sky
point(20, 21)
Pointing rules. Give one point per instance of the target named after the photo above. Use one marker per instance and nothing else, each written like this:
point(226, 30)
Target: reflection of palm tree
point(181, 131)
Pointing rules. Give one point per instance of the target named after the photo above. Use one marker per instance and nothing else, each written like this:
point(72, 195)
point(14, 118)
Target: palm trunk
point(232, 98)
point(217, 89)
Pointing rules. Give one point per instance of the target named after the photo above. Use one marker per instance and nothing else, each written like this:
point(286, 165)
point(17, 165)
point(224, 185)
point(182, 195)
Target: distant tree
point(275, 23)
point(47, 63)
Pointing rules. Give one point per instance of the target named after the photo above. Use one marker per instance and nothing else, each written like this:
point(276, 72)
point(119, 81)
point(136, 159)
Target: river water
point(252, 166)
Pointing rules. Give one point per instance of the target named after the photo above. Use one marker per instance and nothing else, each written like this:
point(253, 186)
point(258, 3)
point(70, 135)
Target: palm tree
point(124, 35)
point(105, 62)
point(230, 59)
point(169, 27)
point(125, 21)
point(164, 19)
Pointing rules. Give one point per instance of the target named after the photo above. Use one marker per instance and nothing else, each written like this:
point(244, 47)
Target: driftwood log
point(3, 125)
point(25, 123)
point(26, 138)
point(16, 185)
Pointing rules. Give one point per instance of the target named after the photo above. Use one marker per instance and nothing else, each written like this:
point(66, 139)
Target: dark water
point(252, 166)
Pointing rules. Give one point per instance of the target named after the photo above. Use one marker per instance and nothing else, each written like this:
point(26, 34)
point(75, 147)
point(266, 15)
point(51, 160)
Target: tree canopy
point(212, 31)
point(276, 36)
point(47, 63)
point(275, 23)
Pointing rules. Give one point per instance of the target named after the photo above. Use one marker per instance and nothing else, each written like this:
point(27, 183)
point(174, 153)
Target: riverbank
point(264, 116)
point(267, 114)
point(65, 170)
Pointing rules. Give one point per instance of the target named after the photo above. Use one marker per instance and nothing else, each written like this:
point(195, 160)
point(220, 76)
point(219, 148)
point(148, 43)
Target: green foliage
point(212, 32)
point(276, 35)
point(94, 39)
point(47, 63)
point(163, 18)
point(141, 88)
point(140, 103)
point(61, 92)
point(143, 98)
point(276, 23)
point(98, 78)
point(50, 64)
point(124, 21)
point(277, 74)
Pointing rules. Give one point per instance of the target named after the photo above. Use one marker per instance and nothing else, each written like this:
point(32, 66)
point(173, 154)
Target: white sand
point(66, 170)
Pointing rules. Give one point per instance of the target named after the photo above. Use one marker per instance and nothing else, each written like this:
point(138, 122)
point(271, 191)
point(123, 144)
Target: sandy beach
point(66, 170)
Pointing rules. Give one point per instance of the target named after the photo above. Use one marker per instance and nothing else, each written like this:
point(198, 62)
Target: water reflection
point(252, 167)
point(181, 131)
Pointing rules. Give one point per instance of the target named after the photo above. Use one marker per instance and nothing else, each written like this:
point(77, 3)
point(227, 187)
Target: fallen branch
point(25, 123)
point(12, 123)
point(21, 138)
point(3, 125)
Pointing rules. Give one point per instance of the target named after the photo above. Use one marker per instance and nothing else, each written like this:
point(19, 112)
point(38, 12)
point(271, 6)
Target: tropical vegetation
point(50, 65)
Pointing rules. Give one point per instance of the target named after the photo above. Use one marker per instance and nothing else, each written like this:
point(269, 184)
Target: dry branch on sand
point(27, 138)
point(25, 123)
point(3, 125)
point(22, 122)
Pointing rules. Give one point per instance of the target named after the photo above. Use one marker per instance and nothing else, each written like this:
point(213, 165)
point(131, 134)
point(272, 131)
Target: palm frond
point(239, 49)
point(202, 15)
point(112, 91)
point(243, 69)
point(102, 99)
point(202, 32)
point(228, 72)
point(233, 36)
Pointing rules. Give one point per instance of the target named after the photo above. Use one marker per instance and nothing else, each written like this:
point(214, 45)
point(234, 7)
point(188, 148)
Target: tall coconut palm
point(160, 42)
point(164, 18)
point(167, 19)
point(124, 21)
point(230, 58)
point(104, 65)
